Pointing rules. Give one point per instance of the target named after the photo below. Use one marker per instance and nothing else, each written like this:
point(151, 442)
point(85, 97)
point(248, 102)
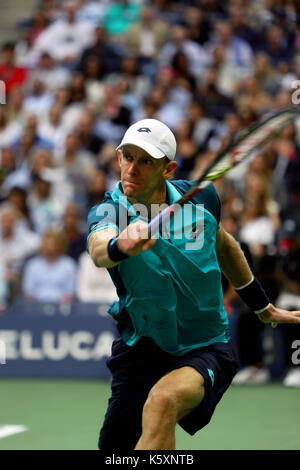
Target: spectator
point(14, 175)
point(38, 101)
point(14, 109)
point(208, 94)
point(76, 239)
point(253, 96)
point(197, 57)
point(243, 28)
point(51, 276)
point(276, 45)
point(17, 243)
point(198, 28)
point(50, 73)
point(51, 129)
point(114, 118)
point(96, 187)
point(92, 11)
point(9, 132)
point(120, 15)
point(186, 149)
point(88, 139)
point(10, 74)
point(66, 38)
point(18, 198)
point(266, 75)
point(237, 52)
point(145, 40)
point(257, 229)
point(108, 59)
point(94, 284)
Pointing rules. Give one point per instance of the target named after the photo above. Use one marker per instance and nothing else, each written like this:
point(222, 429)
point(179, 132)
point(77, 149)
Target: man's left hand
point(276, 315)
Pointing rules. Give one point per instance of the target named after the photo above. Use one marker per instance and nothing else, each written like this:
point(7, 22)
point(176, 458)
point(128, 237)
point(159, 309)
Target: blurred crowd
point(80, 72)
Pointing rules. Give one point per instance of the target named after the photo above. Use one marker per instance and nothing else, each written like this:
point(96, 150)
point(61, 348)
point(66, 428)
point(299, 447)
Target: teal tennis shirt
point(173, 291)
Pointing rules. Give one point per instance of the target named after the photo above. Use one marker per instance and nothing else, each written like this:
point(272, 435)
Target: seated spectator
point(96, 187)
point(210, 97)
point(76, 239)
point(66, 38)
point(258, 228)
point(92, 11)
point(198, 28)
point(145, 40)
point(180, 69)
point(38, 100)
point(18, 198)
point(17, 243)
point(94, 284)
point(9, 131)
point(88, 139)
point(163, 107)
point(51, 276)
point(253, 96)
point(50, 192)
point(242, 27)
point(50, 73)
point(196, 55)
point(265, 73)
point(120, 15)
point(186, 149)
point(276, 45)
point(51, 129)
point(237, 52)
point(168, 11)
point(14, 108)
point(176, 84)
point(204, 126)
point(10, 74)
point(14, 175)
point(105, 53)
point(114, 118)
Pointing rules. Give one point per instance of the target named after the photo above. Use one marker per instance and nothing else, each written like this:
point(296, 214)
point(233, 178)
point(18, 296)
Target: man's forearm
point(233, 263)
point(98, 248)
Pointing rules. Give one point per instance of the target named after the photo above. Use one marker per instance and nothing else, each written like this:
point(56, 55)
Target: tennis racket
point(245, 143)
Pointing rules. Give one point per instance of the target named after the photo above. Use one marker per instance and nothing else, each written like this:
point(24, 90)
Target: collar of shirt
point(117, 195)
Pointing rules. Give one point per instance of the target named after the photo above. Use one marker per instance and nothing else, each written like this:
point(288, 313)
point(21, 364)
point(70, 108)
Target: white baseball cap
point(153, 136)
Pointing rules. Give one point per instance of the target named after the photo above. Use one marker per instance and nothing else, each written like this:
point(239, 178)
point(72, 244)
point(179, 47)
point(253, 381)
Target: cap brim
point(149, 148)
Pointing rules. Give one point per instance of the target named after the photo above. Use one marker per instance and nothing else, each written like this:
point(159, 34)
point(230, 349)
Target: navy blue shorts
point(136, 369)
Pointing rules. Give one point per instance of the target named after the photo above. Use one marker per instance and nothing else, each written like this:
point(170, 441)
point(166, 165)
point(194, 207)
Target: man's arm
point(131, 242)
point(232, 260)
point(234, 266)
point(97, 246)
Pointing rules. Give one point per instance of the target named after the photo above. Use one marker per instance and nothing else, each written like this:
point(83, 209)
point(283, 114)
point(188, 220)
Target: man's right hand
point(134, 239)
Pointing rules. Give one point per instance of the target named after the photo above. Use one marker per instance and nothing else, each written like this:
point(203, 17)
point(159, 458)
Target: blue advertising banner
point(48, 340)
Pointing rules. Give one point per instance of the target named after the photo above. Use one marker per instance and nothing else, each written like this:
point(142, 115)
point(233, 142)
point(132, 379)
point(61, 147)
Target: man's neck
point(156, 199)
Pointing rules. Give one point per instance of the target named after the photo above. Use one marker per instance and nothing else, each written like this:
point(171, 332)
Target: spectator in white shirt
point(17, 242)
point(94, 284)
point(65, 39)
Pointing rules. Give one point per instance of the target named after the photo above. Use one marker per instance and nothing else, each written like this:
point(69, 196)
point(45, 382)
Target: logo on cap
point(144, 129)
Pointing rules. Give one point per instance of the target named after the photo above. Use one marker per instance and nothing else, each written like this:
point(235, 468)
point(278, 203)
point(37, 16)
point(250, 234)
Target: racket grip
point(161, 218)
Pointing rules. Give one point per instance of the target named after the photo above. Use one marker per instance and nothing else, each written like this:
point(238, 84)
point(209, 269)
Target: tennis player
point(174, 358)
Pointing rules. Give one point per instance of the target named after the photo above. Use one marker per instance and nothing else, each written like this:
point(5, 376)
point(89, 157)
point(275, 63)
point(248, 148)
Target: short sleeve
point(102, 216)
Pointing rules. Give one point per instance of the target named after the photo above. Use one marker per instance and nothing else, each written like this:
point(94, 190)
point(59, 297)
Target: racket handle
point(161, 218)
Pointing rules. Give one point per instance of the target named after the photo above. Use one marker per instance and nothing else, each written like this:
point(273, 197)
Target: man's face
point(141, 174)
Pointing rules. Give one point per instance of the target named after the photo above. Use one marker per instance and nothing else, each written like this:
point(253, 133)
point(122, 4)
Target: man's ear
point(119, 152)
point(170, 169)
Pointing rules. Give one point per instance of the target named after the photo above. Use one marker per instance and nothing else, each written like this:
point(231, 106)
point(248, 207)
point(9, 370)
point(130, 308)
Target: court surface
point(67, 414)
